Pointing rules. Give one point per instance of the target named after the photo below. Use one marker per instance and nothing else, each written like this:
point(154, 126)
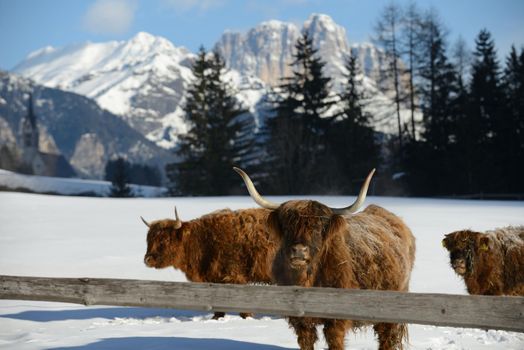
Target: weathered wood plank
point(485, 312)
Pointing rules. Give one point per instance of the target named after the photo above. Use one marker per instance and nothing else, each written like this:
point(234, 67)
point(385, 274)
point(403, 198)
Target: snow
point(112, 73)
point(68, 186)
point(174, 125)
point(324, 21)
point(61, 236)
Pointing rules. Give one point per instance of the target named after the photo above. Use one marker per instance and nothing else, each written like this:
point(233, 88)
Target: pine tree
point(438, 85)
point(431, 161)
point(117, 173)
point(192, 145)
point(510, 136)
point(485, 88)
point(463, 148)
point(483, 116)
point(297, 130)
point(350, 138)
point(209, 149)
point(140, 174)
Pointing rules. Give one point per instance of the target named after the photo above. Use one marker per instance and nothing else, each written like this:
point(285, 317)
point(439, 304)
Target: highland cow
point(490, 263)
point(327, 247)
point(221, 247)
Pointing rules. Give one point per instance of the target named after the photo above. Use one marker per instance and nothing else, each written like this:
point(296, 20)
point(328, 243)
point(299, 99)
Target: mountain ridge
point(143, 80)
point(72, 125)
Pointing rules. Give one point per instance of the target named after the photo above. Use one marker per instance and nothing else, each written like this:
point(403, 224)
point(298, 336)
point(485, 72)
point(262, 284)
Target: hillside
point(74, 126)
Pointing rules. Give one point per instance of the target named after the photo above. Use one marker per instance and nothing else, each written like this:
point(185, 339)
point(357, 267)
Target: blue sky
point(27, 25)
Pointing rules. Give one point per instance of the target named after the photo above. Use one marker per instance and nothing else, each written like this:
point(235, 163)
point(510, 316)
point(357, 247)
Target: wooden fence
point(485, 312)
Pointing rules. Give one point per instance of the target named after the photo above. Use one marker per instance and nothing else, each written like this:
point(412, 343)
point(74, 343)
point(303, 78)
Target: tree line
point(469, 138)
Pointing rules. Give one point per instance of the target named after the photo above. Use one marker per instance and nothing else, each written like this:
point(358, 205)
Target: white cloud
point(112, 17)
point(200, 5)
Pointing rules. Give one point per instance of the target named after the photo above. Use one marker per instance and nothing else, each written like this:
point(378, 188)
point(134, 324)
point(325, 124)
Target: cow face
point(462, 247)
point(164, 244)
point(304, 227)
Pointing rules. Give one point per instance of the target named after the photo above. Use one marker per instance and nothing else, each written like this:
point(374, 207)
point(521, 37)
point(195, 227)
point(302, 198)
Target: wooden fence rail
point(485, 312)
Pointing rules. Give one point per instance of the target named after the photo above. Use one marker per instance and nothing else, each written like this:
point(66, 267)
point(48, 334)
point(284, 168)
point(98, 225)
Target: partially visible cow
point(491, 263)
point(221, 247)
point(327, 247)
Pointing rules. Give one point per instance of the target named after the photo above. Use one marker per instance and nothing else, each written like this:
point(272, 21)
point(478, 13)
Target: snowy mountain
point(73, 126)
point(143, 80)
point(266, 51)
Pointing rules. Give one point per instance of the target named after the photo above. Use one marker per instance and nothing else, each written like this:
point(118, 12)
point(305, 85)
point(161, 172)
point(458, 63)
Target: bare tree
point(461, 60)
point(410, 46)
point(387, 31)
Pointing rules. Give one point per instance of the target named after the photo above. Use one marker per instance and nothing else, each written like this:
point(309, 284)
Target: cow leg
point(390, 335)
point(218, 315)
point(238, 279)
point(335, 332)
point(305, 330)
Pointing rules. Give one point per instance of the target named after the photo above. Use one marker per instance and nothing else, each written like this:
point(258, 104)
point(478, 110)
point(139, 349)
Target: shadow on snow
point(113, 313)
point(108, 313)
point(160, 343)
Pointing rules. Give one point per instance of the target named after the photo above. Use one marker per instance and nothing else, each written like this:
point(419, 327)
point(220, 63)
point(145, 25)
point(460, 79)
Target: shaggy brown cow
point(326, 247)
point(221, 247)
point(491, 263)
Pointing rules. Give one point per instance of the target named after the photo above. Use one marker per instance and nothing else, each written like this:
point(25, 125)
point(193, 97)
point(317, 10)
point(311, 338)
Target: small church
point(33, 161)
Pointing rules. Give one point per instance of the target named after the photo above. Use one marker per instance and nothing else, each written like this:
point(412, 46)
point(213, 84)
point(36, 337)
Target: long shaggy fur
point(373, 249)
point(492, 262)
point(221, 247)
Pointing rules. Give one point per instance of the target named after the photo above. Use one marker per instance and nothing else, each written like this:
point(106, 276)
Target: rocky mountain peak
point(320, 22)
point(267, 50)
point(264, 51)
point(331, 41)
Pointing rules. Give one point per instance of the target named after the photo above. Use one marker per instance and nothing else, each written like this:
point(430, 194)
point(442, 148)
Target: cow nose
point(299, 251)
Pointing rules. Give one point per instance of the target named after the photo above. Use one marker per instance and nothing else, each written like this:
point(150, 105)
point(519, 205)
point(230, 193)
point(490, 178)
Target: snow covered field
point(59, 236)
point(68, 186)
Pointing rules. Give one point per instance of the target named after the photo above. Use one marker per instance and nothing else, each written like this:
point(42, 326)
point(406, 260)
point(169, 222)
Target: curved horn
point(359, 201)
point(145, 222)
point(178, 222)
point(264, 203)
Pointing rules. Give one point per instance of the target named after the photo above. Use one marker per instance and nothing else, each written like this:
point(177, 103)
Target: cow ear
point(484, 244)
point(273, 224)
point(336, 224)
point(448, 240)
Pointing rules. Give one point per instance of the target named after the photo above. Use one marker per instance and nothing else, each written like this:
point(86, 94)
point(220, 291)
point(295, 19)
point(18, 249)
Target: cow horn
point(264, 203)
point(359, 201)
point(145, 222)
point(178, 222)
